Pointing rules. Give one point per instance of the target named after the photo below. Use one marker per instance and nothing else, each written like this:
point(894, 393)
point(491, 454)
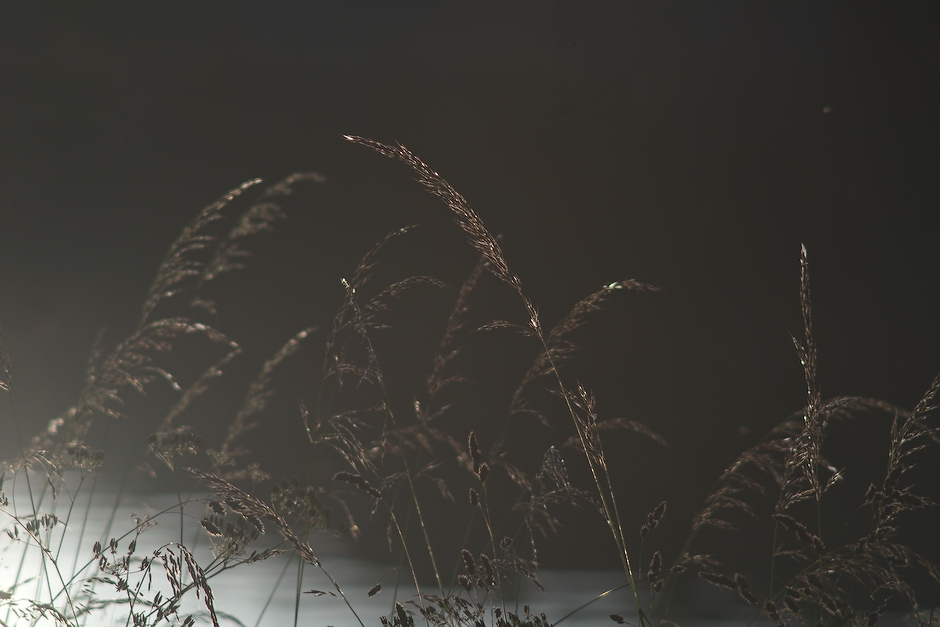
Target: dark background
point(693, 146)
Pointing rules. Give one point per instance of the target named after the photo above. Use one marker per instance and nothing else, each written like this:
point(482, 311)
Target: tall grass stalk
point(481, 239)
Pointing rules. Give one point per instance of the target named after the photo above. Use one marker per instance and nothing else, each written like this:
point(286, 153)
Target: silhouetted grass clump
point(382, 463)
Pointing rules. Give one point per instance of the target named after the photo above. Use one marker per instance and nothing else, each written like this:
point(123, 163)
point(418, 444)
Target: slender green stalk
point(408, 473)
point(274, 588)
point(488, 246)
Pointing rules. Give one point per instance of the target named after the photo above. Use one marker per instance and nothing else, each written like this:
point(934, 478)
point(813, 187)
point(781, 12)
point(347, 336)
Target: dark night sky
point(694, 146)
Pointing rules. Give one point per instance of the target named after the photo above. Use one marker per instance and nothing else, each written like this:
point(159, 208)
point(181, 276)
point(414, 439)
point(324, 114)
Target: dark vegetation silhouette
point(387, 462)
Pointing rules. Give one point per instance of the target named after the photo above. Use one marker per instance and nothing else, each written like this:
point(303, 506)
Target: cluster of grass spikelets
point(398, 458)
point(817, 570)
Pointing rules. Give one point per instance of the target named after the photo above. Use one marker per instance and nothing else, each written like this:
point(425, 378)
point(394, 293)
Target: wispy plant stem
point(484, 242)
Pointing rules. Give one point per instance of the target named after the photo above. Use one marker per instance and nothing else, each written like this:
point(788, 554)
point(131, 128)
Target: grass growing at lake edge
point(384, 462)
